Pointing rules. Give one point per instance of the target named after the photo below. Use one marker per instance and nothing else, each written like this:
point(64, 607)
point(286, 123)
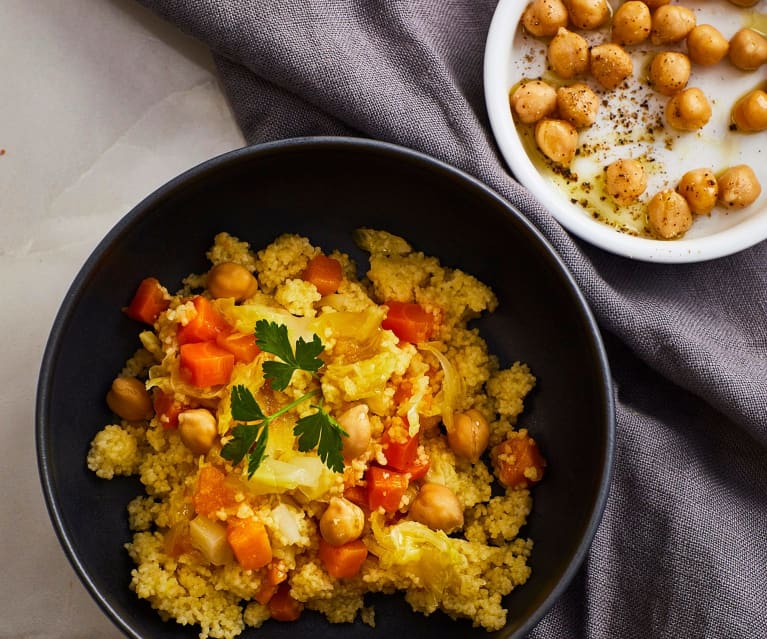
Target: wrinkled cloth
point(682, 548)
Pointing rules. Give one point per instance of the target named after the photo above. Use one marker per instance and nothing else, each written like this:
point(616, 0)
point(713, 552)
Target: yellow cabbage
point(362, 379)
point(305, 473)
point(244, 317)
point(351, 335)
point(428, 557)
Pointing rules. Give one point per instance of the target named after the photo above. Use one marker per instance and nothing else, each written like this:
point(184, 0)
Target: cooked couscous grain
point(308, 390)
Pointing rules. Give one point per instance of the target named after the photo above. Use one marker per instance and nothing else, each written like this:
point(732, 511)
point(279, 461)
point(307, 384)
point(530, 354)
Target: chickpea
point(588, 14)
point(533, 100)
point(437, 507)
point(738, 187)
point(610, 64)
point(671, 23)
point(568, 54)
point(631, 23)
point(750, 112)
point(228, 279)
point(198, 429)
point(356, 423)
point(128, 398)
point(699, 187)
point(748, 50)
point(557, 140)
point(668, 214)
point(706, 45)
point(542, 18)
point(578, 104)
point(625, 180)
point(469, 436)
point(688, 110)
point(341, 522)
point(669, 72)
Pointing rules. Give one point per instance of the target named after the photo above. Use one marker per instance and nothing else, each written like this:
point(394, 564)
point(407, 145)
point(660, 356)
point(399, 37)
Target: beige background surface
point(100, 103)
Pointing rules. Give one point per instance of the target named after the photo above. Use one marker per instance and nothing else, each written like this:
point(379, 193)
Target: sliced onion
point(452, 384)
point(413, 417)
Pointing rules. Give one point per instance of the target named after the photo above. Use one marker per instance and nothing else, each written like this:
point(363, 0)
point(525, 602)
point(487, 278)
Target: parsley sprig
point(318, 430)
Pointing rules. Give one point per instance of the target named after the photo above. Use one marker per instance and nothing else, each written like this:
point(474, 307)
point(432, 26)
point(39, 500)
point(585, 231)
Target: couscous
point(306, 436)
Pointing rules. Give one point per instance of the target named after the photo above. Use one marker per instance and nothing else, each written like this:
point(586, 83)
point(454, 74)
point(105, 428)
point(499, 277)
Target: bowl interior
point(628, 126)
point(324, 188)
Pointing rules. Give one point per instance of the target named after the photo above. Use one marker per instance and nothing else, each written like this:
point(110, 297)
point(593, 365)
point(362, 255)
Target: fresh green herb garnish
point(324, 433)
point(244, 406)
point(318, 430)
point(273, 338)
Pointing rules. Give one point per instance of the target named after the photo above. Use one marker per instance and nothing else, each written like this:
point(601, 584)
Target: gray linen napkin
point(682, 549)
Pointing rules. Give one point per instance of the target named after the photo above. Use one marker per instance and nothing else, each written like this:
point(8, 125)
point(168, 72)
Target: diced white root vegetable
point(209, 537)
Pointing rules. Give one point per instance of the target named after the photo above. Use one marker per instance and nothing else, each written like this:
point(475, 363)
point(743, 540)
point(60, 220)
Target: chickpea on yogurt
point(749, 114)
point(625, 180)
point(701, 190)
point(632, 23)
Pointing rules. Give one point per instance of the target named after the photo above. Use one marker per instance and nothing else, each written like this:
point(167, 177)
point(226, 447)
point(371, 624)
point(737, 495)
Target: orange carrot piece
point(205, 325)
point(385, 488)
point(325, 273)
point(402, 453)
point(357, 495)
point(211, 493)
point(517, 461)
point(250, 542)
point(148, 301)
point(206, 364)
point(282, 606)
point(242, 346)
point(167, 408)
point(265, 592)
point(400, 448)
point(343, 562)
point(409, 321)
point(276, 573)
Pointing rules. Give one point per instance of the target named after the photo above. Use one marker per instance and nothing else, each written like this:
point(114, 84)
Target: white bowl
point(512, 55)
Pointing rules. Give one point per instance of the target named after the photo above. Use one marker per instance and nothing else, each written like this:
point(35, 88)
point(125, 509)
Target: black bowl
point(324, 188)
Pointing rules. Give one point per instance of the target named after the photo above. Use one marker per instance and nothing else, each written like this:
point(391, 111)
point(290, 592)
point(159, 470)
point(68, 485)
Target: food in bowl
point(596, 84)
point(306, 437)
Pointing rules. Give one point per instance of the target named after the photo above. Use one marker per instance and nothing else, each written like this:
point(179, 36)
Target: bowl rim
point(498, 44)
point(228, 159)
